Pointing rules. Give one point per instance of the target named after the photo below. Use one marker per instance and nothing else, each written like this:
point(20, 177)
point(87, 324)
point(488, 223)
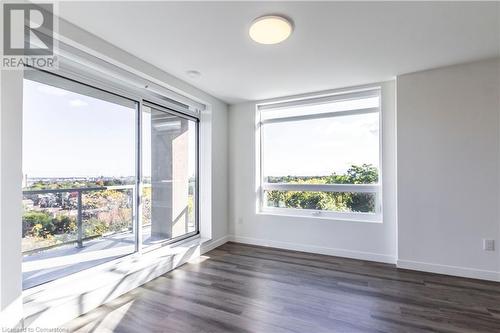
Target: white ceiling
point(335, 44)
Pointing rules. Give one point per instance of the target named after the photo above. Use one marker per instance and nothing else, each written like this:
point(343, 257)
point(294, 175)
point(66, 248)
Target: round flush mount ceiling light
point(270, 29)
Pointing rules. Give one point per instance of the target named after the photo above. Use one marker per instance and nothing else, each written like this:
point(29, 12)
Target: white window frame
point(358, 188)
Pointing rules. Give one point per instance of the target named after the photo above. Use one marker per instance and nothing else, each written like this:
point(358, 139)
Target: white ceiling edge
point(334, 45)
point(85, 41)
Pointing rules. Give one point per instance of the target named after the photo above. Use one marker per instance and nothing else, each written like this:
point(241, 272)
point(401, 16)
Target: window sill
point(54, 303)
point(377, 220)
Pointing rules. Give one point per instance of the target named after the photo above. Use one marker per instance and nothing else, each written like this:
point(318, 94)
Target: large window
point(83, 163)
point(320, 156)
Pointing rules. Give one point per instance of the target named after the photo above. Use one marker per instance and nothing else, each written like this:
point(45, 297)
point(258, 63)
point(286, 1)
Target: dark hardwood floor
point(243, 288)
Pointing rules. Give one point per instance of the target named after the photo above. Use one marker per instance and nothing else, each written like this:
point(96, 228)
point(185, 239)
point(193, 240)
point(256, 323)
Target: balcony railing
point(79, 192)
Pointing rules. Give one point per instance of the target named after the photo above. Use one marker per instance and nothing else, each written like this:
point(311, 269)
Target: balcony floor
point(55, 263)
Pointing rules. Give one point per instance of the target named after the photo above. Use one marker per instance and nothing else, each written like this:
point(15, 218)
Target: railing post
point(79, 221)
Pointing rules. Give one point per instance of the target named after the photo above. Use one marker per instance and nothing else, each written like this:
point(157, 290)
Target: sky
point(319, 147)
point(66, 134)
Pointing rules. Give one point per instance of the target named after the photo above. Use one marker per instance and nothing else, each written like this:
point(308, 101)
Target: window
point(320, 156)
point(86, 154)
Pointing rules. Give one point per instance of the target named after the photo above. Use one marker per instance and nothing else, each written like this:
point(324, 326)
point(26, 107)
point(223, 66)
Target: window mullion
point(322, 115)
point(358, 188)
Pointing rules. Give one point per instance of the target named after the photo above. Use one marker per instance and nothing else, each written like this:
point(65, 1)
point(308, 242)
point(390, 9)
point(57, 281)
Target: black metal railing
point(79, 206)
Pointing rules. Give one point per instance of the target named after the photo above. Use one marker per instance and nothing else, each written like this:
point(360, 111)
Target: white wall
point(373, 241)
point(10, 194)
point(448, 169)
point(220, 176)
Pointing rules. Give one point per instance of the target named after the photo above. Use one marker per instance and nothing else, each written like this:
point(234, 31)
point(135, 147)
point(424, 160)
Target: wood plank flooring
point(243, 288)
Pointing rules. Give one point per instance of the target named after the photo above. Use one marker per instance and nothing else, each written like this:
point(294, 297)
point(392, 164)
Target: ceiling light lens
point(270, 29)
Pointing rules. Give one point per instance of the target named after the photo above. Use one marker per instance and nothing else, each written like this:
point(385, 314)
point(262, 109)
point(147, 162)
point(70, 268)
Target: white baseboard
point(316, 249)
point(450, 270)
point(405, 264)
point(210, 245)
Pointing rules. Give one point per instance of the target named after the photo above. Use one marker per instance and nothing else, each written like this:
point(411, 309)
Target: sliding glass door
point(169, 175)
point(104, 176)
point(79, 167)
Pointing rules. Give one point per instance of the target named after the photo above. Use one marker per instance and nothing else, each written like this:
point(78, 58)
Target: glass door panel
point(169, 176)
point(79, 167)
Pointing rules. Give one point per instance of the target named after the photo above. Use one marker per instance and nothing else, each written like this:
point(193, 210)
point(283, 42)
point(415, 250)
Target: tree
point(335, 201)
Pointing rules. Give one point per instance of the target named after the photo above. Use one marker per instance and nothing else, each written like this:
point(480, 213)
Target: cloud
point(77, 103)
